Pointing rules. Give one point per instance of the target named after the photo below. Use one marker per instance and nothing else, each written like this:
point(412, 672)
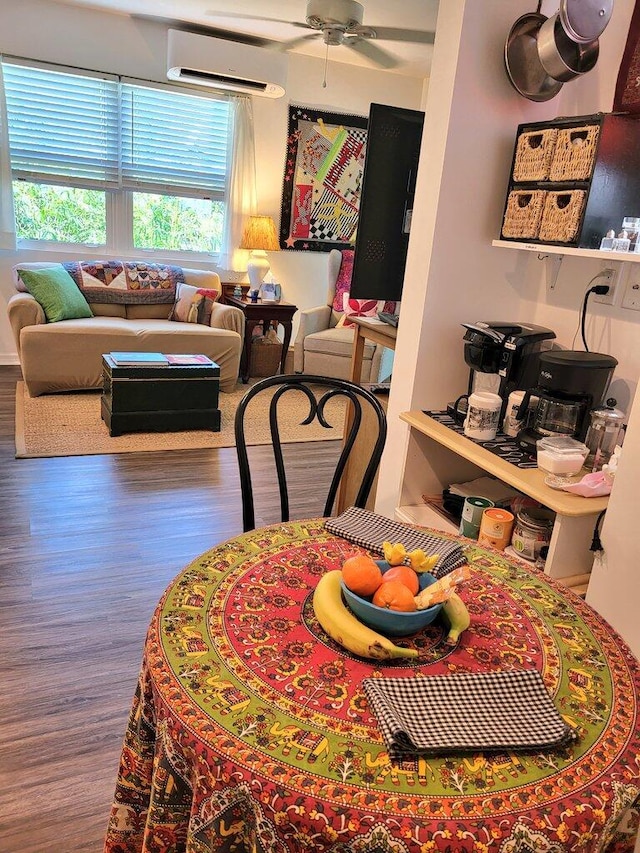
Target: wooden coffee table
point(171, 398)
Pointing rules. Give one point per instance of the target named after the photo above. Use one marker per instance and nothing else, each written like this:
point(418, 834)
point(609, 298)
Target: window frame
point(119, 201)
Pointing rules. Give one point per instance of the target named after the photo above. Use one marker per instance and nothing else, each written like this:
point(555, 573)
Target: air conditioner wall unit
point(225, 65)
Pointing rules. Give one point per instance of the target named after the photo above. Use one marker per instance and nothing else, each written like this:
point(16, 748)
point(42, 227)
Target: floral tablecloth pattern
point(250, 730)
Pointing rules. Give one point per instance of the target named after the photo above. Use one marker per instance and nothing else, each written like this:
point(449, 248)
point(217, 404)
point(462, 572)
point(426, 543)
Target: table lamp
point(260, 237)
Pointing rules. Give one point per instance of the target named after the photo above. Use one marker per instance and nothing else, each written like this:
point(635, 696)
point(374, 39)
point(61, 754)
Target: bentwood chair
point(318, 390)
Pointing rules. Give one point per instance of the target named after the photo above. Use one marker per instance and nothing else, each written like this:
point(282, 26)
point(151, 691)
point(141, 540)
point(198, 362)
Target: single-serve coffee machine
point(502, 357)
point(570, 383)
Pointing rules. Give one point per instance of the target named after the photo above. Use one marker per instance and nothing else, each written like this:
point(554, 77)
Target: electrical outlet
point(609, 276)
point(631, 296)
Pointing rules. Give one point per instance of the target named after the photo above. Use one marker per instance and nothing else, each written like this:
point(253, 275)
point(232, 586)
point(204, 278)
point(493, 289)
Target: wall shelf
point(545, 249)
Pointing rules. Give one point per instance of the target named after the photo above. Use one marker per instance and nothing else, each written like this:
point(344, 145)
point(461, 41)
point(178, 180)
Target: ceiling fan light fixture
point(342, 14)
point(332, 35)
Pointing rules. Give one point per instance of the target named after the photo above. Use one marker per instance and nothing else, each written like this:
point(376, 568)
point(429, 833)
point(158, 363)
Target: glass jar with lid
point(605, 432)
point(532, 532)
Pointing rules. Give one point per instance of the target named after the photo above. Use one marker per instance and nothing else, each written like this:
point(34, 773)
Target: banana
point(457, 615)
point(343, 627)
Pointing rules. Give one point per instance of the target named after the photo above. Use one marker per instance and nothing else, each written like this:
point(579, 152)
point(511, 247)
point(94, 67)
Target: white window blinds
point(62, 126)
point(94, 131)
point(173, 143)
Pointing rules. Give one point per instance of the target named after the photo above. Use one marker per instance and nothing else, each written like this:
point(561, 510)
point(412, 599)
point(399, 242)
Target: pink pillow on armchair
point(358, 308)
point(343, 282)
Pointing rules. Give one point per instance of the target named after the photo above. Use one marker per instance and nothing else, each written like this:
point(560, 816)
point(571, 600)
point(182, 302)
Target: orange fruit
point(405, 575)
point(394, 595)
point(361, 574)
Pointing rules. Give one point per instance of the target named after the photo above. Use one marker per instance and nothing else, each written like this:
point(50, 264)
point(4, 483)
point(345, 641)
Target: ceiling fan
point(339, 22)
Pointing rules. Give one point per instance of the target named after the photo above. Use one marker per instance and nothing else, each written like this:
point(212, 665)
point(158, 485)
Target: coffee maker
point(503, 357)
point(570, 383)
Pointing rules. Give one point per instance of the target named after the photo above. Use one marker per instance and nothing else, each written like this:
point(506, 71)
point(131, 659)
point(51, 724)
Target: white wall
point(47, 31)
point(454, 274)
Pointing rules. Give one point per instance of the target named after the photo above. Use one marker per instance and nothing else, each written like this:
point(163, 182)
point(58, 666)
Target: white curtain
point(241, 187)
point(7, 219)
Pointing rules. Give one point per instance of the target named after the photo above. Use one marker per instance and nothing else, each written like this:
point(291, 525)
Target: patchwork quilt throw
point(125, 283)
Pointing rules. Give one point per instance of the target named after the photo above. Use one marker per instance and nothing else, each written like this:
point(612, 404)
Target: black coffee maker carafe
point(570, 384)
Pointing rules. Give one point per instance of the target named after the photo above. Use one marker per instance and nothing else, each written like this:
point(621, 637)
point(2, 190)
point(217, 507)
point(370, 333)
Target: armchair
point(323, 346)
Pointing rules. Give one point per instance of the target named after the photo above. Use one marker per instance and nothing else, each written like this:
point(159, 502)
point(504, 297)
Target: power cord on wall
point(596, 544)
point(601, 290)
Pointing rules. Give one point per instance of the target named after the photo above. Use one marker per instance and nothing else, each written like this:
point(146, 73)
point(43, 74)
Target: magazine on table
point(188, 359)
point(131, 359)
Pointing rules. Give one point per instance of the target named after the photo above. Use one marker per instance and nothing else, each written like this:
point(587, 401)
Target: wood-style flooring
point(87, 546)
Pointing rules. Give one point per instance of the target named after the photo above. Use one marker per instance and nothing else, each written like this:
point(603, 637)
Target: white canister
point(483, 415)
point(511, 425)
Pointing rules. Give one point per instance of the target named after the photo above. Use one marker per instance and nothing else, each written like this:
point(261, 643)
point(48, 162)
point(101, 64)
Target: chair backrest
point(318, 391)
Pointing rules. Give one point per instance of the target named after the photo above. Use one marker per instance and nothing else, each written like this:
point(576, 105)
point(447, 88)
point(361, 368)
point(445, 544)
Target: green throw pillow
point(57, 292)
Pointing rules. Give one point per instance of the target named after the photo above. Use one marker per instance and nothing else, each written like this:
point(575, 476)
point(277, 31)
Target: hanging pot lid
point(585, 20)
point(524, 69)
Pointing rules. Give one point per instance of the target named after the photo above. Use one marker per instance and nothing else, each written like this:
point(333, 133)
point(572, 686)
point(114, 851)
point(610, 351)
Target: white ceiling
point(270, 24)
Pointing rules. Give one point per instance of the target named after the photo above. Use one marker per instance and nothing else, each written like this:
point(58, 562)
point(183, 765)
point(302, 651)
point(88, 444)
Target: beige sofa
point(67, 355)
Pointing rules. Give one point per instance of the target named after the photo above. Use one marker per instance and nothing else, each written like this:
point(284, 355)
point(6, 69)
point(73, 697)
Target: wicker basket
point(561, 216)
point(265, 358)
point(575, 153)
point(523, 213)
point(534, 153)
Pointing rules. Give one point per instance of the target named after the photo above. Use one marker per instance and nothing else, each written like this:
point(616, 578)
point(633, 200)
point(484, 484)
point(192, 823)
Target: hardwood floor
point(87, 546)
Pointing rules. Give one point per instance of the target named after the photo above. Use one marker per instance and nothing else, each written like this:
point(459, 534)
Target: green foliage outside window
point(177, 224)
point(60, 214)
point(71, 215)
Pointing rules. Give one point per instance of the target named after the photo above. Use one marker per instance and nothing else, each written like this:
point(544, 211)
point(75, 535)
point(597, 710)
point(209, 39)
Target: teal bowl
point(392, 623)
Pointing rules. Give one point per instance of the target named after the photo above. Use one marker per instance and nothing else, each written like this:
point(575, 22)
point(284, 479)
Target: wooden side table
point(265, 314)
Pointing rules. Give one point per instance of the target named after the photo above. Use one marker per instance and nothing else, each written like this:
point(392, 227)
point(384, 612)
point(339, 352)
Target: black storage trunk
point(573, 179)
point(138, 398)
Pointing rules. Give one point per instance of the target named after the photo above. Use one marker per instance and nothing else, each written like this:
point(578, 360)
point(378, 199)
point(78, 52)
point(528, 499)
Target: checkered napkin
point(370, 530)
point(466, 712)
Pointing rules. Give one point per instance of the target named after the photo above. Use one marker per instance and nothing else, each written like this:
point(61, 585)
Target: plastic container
point(561, 457)
point(495, 528)
point(532, 531)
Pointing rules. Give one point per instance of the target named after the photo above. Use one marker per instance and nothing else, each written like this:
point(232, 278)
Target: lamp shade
point(260, 233)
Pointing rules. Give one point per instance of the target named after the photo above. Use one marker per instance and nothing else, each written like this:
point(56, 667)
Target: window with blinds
point(102, 161)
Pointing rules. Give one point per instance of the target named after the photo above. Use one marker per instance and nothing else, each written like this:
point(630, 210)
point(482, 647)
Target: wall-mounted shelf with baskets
point(572, 180)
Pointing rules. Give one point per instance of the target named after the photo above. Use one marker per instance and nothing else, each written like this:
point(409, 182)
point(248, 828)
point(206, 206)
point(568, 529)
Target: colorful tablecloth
point(251, 731)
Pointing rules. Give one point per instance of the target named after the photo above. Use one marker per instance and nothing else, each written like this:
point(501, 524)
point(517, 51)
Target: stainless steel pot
point(585, 20)
point(561, 57)
point(524, 69)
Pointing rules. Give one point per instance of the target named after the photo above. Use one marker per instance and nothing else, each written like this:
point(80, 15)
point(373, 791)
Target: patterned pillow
point(358, 308)
point(343, 282)
point(193, 304)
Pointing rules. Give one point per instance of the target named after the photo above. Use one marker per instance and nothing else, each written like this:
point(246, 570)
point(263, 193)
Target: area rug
point(70, 425)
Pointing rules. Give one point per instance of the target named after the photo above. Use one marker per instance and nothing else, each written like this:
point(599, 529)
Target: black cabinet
point(394, 136)
point(573, 179)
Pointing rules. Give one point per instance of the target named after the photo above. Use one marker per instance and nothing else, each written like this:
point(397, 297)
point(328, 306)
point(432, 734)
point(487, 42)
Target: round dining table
point(250, 731)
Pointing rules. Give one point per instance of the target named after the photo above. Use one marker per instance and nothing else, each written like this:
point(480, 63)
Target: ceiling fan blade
point(396, 34)
point(376, 54)
point(283, 46)
point(219, 13)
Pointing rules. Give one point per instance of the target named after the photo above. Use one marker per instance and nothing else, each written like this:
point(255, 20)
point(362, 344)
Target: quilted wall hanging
point(322, 179)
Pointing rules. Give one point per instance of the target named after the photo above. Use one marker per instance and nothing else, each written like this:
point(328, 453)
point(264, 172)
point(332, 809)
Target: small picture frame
point(270, 292)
